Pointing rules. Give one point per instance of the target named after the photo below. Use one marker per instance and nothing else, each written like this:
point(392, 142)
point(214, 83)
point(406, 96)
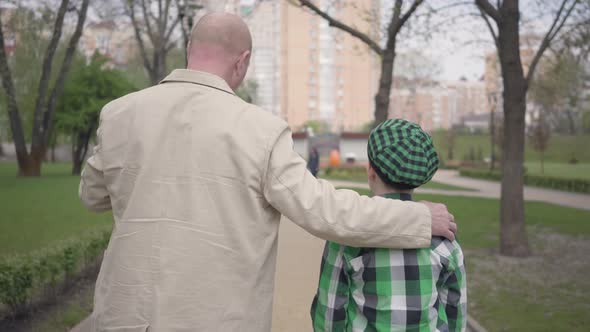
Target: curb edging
point(473, 325)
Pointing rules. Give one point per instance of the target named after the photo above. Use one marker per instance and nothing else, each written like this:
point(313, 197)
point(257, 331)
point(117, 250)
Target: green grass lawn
point(561, 147)
point(570, 171)
point(36, 212)
point(544, 292)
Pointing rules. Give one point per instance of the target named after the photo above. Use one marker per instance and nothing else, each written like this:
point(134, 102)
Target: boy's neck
point(387, 190)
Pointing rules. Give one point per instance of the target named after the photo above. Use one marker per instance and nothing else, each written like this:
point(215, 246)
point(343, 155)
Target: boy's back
point(369, 289)
point(376, 289)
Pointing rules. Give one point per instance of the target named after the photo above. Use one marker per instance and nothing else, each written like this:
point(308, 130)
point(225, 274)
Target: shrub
point(39, 274)
point(347, 172)
point(16, 283)
point(574, 185)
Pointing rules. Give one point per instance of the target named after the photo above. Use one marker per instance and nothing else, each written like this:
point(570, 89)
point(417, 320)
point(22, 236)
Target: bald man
point(197, 180)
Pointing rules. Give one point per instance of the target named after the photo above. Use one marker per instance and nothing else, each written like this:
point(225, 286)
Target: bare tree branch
point(185, 33)
point(46, 72)
point(146, 19)
point(166, 38)
point(556, 26)
point(59, 84)
point(166, 12)
point(491, 28)
point(342, 26)
point(140, 43)
point(409, 13)
point(487, 7)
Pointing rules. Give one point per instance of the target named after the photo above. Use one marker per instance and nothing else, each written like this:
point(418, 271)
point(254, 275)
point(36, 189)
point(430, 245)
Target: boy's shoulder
point(449, 251)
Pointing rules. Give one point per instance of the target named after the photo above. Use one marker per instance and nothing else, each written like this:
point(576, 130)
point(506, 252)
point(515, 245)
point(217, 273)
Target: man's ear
point(244, 61)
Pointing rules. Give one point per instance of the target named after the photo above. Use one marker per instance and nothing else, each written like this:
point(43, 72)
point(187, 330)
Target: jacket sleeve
point(342, 216)
point(93, 190)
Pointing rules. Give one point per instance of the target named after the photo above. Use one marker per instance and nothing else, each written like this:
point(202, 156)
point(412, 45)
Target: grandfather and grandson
point(197, 180)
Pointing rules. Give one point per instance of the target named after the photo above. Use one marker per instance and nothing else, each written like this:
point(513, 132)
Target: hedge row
point(39, 276)
point(350, 173)
point(573, 185)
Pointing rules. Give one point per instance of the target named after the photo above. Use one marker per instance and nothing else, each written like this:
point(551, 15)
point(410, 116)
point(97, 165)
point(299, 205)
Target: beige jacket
point(197, 180)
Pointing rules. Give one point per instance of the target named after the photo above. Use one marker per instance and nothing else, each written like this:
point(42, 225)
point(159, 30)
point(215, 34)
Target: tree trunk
point(80, 149)
point(159, 67)
point(57, 90)
point(38, 145)
point(492, 138)
point(53, 150)
point(513, 239)
point(571, 121)
point(18, 136)
point(382, 98)
point(29, 168)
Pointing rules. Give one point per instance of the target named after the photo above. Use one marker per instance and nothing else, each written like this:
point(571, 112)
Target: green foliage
point(367, 127)
point(248, 91)
point(557, 183)
point(318, 127)
point(87, 90)
point(25, 276)
point(16, 283)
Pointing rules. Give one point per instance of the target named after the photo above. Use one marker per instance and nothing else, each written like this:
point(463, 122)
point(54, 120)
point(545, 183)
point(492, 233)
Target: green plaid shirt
point(373, 289)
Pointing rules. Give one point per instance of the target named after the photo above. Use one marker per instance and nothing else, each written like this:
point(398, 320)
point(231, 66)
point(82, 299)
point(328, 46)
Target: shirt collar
point(400, 196)
point(198, 77)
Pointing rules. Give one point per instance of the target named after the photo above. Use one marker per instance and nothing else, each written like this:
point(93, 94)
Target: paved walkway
point(491, 189)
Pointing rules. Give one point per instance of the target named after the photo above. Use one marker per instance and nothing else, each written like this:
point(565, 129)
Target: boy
point(374, 289)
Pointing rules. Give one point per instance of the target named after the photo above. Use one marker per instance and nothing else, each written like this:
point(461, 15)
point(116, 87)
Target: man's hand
point(443, 223)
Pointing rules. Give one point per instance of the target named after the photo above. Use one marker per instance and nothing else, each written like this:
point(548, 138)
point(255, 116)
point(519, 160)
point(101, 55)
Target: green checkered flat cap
point(402, 152)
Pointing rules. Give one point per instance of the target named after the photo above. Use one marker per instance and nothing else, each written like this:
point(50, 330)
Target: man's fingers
point(450, 235)
point(453, 227)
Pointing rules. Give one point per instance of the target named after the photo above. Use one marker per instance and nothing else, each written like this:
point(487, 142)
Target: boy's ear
point(371, 173)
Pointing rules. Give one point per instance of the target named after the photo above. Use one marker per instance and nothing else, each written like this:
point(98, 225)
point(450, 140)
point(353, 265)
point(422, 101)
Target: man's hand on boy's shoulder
point(443, 223)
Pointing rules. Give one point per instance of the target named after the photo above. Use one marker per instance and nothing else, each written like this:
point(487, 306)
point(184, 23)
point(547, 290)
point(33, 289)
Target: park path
point(490, 189)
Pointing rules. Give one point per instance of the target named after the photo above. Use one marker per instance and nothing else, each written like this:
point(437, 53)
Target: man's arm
point(93, 190)
point(341, 216)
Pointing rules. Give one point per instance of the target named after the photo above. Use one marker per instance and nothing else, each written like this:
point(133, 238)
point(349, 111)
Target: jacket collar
point(198, 77)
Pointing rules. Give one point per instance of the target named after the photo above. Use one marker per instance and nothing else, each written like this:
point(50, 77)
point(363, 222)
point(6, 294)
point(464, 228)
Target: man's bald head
point(221, 44)
point(227, 31)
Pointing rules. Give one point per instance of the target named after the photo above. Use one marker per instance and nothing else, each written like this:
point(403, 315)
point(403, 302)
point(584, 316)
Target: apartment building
point(307, 70)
